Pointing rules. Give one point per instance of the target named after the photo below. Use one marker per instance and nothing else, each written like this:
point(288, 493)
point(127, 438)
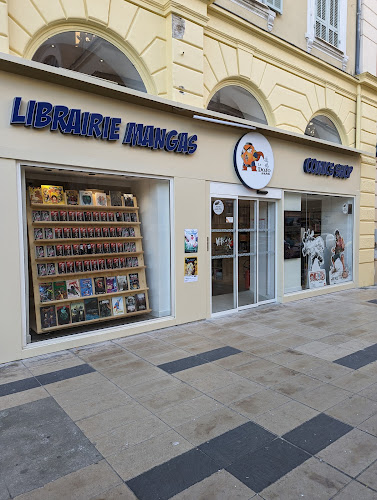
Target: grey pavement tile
point(4, 493)
point(130, 433)
point(352, 453)
point(185, 339)
point(64, 374)
point(235, 360)
point(136, 377)
point(312, 348)
point(232, 445)
point(285, 417)
point(219, 353)
point(370, 392)
point(51, 446)
point(179, 473)
point(357, 359)
point(188, 410)
point(312, 480)
point(210, 425)
point(80, 485)
point(274, 376)
point(10, 372)
point(369, 476)
point(113, 360)
point(87, 393)
point(21, 398)
point(327, 371)
point(49, 359)
point(132, 461)
point(233, 392)
point(369, 425)
point(203, 346)
point(221, 379)
point(111, 419)
point(323, 397)
point(79, 411)
point(182, 364)
point(258, 403)
point(369, 370)
point(296, 384)
point(219, 486)
point(205, 371)
point(121, 492)
point(42, 368)
point(74, 383)
point(266, 350)
point(162, 383)
point(97, 353)
point(18, 386)
point(261, 468)
point(354, 381)
point(356, 490)
point(353, 410)
point(161, 400)
point(254, 369)
point(125, 368)
point(317, 433)
point(168, 356)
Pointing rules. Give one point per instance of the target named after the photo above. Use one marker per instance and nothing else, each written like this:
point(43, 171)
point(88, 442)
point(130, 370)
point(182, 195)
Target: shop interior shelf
point(86, 240)
point(87, 256)
point(68, 223)
point(98, 296)
point(94, 208)
point(118, 270)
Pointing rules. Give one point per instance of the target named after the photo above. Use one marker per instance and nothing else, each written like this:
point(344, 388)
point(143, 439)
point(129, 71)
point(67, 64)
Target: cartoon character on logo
point(249, 156)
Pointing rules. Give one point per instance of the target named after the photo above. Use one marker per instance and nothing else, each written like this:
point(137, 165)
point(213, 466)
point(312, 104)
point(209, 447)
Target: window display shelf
point(118, 270)
point(93, 208)
point(87, 256)
point(86, 240)
point(98, 296)
point(93, 321)
point(73, 223)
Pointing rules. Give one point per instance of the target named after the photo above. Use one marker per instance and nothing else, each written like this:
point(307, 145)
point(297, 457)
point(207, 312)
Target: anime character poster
point(191, 269)
point(338, 270)
point(313, 248)
point(191, 240)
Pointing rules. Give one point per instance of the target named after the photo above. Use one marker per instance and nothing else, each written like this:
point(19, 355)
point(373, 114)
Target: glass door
point(223, 258)
point(242, 252)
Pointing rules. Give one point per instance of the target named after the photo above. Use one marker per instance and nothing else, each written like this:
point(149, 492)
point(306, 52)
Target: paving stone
point(356, 490)
point(210, 425)
point(161, 400)
point(254, 369)
point(354, 382)
point(89, 393)
point(233, 392)
point(80, 485)
point(136, 377)
point(149, 387)
point(260, 469)
point(18, 386)
point(235, 360)
point(121, 492)
point(317, 433)
point(370, 392)
point(189, 410)
point(219, 486)
point(127, 369)
point(52, 366)
point(312, 480)
point(132, 461)
point(323, 397)
point(80, 411)
point(369, 476)
point(24, 397)
point(285, 417)
point(64, 374)
point(10, 372)
point(232, 445)
point(353, 410)
point(258, 403)
point(51, 446)
point(369, 425)
point(4, 493)
point(298, 383)
point(205, 371)
point(352, 453)
point(74, 383)
point(222, 379)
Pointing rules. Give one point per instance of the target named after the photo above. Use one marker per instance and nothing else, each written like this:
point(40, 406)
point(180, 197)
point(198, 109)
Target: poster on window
point(191, 240)
point(339, 272)
point(317, 279)
point(191, 269)
point(313, 248)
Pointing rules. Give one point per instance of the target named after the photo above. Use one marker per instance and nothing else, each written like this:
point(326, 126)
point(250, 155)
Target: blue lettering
point(16, 117)
point(105, 127)
point(114, 129)
point(128, 134)
point(148, 137)
point(137, 139)
point(84, 123)
point(74, 122)
point(159, 138)
point(43, 114)
point(182, 143)
point(30, 113)
point(58, 116)
point(170, 143)
point(191, 144)
point(94, 128)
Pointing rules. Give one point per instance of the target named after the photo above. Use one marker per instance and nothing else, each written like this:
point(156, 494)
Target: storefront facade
point(204, 242)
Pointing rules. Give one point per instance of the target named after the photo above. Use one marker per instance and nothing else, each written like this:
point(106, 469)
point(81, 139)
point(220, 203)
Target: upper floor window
point(89, 54)
point(322, 127)
point(274, 4)
point(236, 101)
point(327, 21)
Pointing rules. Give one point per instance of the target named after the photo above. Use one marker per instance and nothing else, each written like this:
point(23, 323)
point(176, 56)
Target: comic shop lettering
point(316, 167)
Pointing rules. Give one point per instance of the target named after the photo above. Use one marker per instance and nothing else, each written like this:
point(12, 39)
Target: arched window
point(236, 101)
point(322, 127)
point(89, 54)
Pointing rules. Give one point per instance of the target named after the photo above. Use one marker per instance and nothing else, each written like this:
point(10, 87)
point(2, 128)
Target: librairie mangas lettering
point(42, 114)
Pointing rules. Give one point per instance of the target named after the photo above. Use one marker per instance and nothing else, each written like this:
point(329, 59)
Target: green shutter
point(275, 4)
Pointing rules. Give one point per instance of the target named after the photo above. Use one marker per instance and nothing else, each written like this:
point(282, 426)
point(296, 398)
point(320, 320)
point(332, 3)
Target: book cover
point(117, 306)
point(99, 286)
point(133, 217)
point(73, 289)
point(35, 194)
point(86, 287)
point(111, 284)
point(48, 233)
point(41, 269)
point(122, 283)
point(91, 309)
point(64, 314)
point(131, 231)
point(134, 281)
point(45, 215)
point(39, 252)
point(141, 303)
point(130, 304)
point(38, 233)
point(50, 268)
point(100, 199)
point(62, 268)
point(86, 198)
point(72, 197)
point(116, 198)
point(48, 316)
point(135, 262)
point(53, 195)
point(104, 308)
point(46, 292)
point(50, 251)
point(60, 290)
point(77, 312)
point(128, 200)
point(36, 215)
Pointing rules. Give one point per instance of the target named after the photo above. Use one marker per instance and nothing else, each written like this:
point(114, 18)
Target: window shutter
point(275, 4)
point(334, 23)
point(327, 21)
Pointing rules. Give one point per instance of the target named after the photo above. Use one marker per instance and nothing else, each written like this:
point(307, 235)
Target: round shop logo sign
point(254, 160)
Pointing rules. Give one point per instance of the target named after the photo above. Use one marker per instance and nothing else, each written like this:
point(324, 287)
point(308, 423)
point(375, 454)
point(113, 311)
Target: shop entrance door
point(242, 253)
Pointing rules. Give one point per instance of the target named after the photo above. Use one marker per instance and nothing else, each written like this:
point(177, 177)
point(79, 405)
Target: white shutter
point(275, 4)
point(334, 23)
point(327, 21)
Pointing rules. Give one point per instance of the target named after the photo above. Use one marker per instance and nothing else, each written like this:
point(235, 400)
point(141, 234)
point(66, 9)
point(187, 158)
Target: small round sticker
point(218, 207)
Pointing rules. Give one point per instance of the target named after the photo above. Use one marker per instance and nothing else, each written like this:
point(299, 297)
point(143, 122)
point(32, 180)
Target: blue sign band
point(316, 167)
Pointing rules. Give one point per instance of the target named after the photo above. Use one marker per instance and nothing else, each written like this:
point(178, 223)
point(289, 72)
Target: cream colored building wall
point(369, 36)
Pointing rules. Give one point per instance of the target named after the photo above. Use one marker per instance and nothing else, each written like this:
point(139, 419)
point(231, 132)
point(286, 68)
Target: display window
point(318, 241)
point(96, 245)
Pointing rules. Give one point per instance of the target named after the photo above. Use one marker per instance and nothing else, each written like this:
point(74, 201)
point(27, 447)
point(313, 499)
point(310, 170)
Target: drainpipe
point(358, 37)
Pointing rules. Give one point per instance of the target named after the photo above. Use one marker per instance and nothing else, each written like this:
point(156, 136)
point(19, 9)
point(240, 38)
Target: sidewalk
point(278, 402)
